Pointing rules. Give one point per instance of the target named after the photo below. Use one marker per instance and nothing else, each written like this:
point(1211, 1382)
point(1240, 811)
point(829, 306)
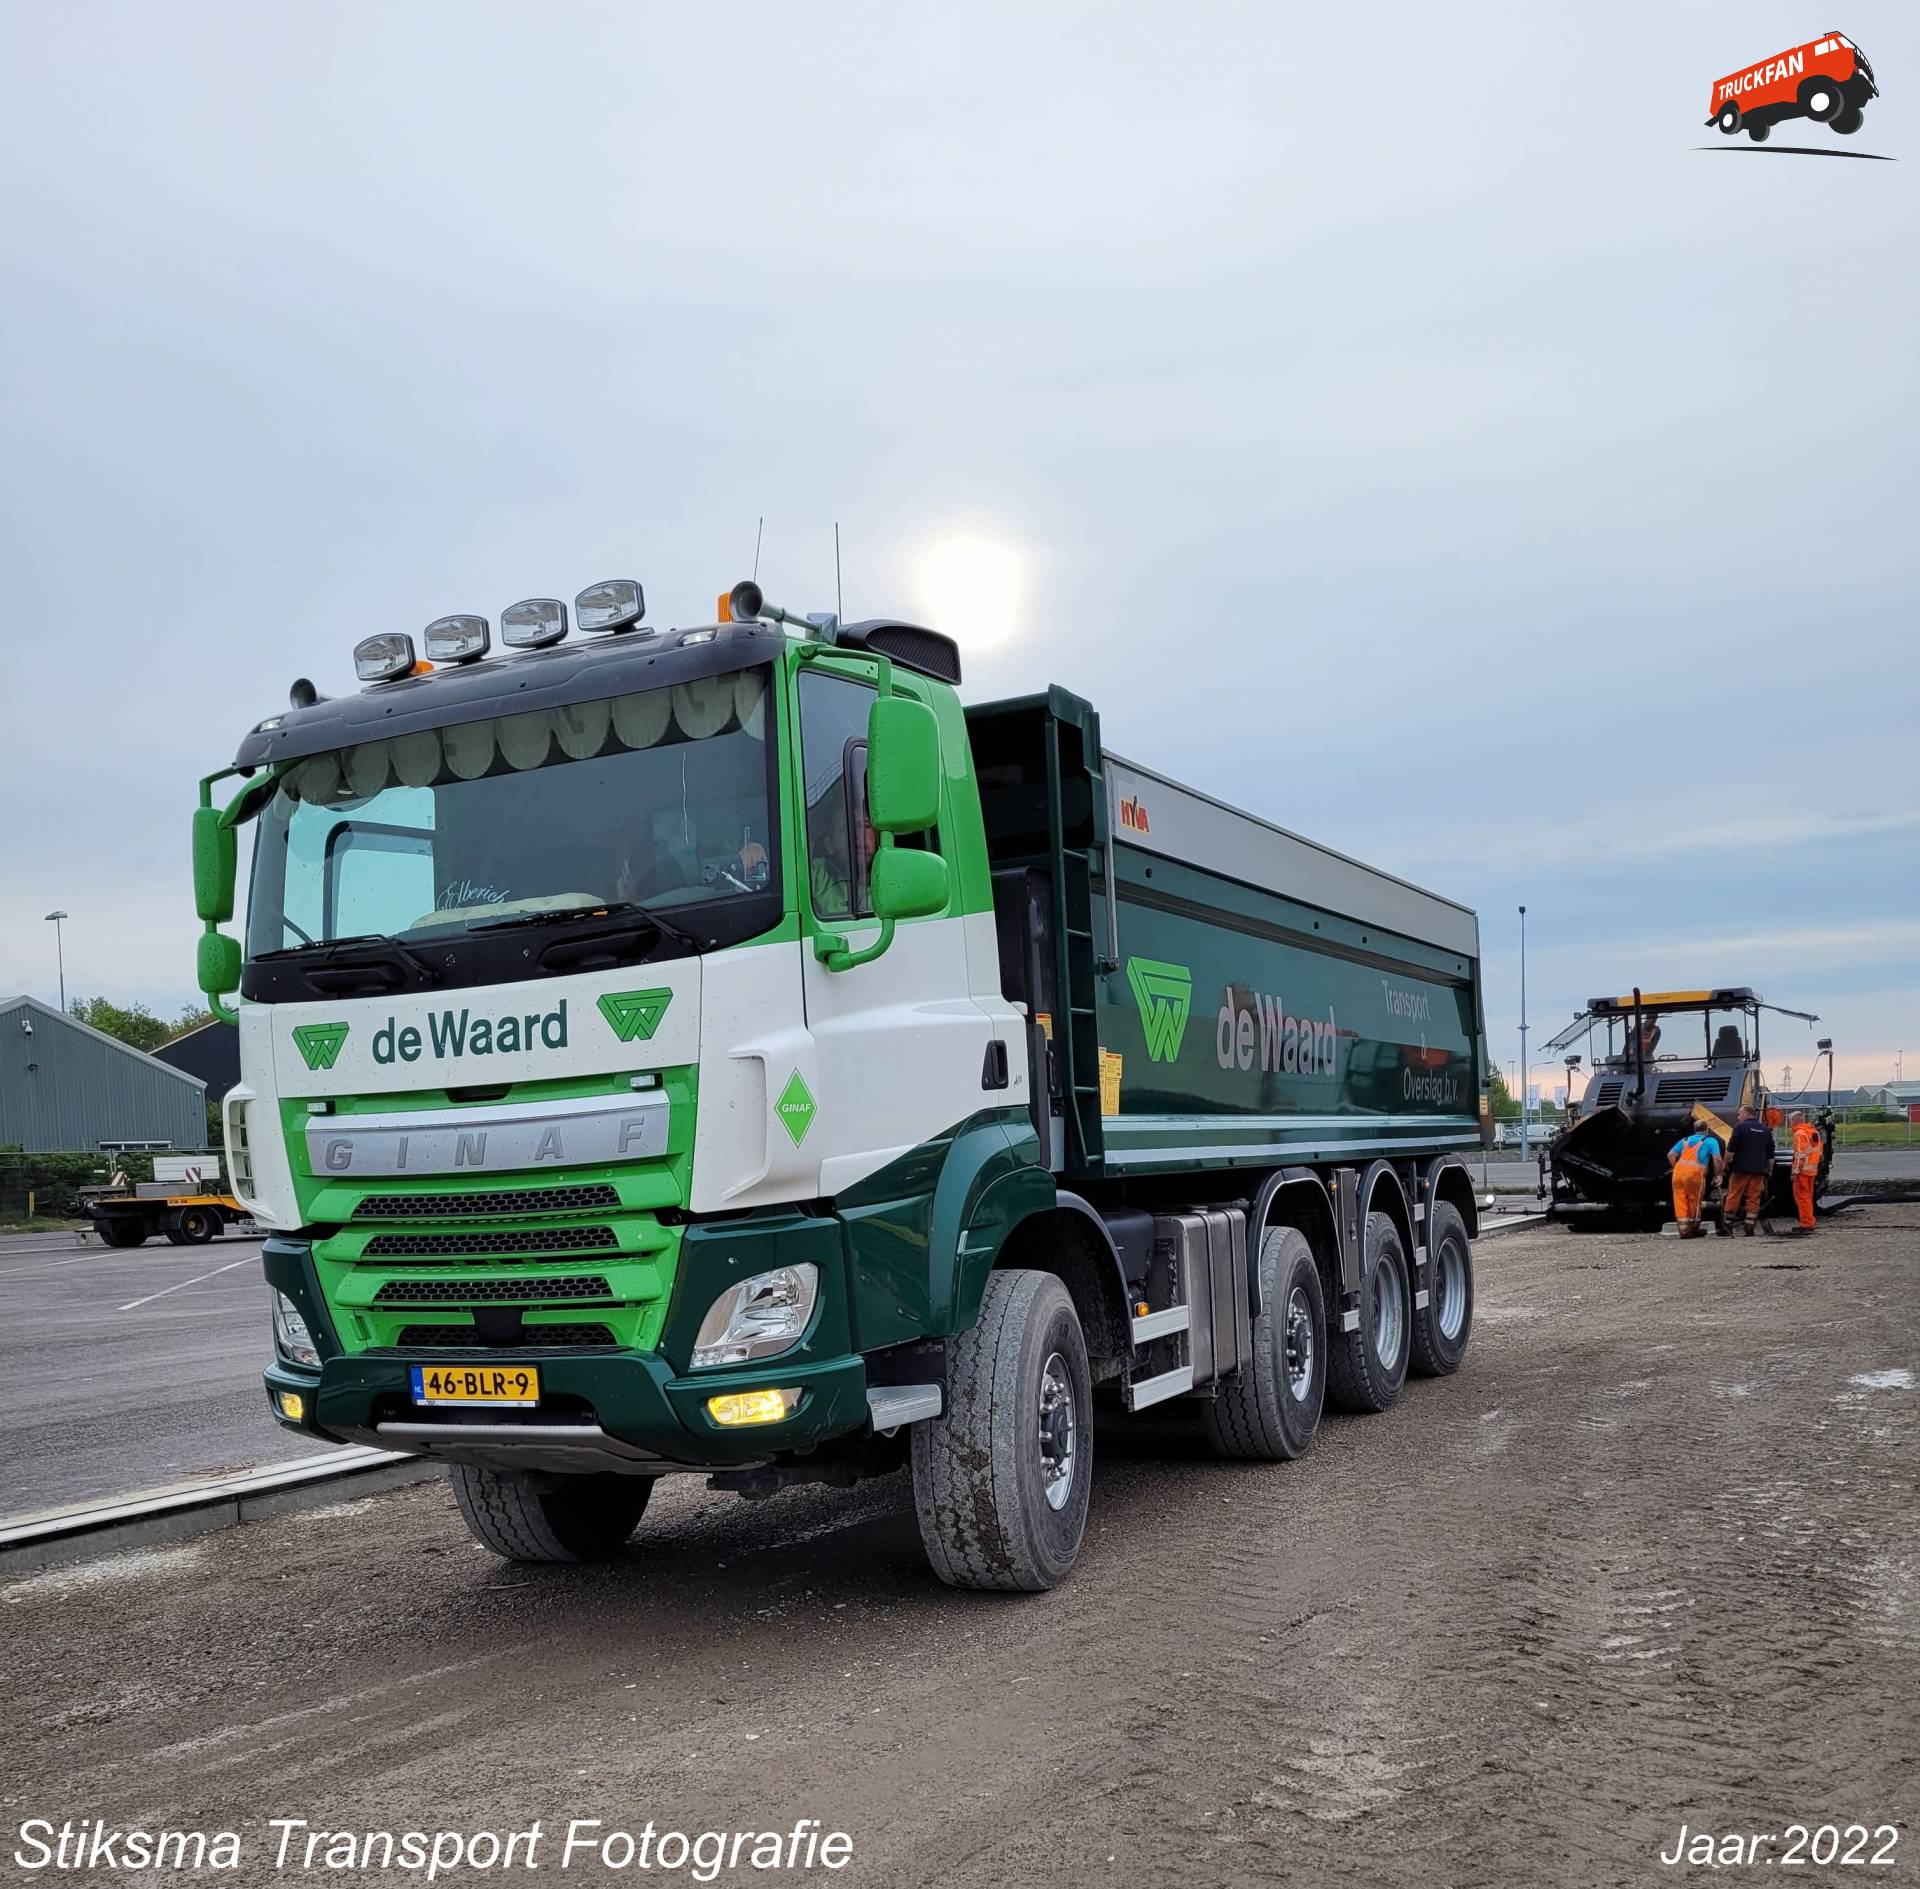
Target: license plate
point(513, 1384)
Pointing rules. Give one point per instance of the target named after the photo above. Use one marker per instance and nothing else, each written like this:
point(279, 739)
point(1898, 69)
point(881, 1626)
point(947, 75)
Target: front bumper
point(632, 1411)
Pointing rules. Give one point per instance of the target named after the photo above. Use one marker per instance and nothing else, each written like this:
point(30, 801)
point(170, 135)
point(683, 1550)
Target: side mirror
point(217, 962)
point(908, 884)
point(903, 767)
point(214, 856)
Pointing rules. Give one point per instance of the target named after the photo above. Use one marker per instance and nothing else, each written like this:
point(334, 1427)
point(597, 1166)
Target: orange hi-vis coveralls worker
point(1692, 1160)
point(1806, 1170)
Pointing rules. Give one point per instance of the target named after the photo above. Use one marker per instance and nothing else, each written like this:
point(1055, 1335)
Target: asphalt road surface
point(130, 1368)
point(1651, 1559)
point(1849, 1164)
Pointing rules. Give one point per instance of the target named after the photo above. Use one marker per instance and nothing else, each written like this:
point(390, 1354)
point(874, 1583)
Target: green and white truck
point(722, 1051)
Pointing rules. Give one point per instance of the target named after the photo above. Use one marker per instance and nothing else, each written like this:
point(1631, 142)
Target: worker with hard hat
point(1808, 1146)
point(1694, 1159)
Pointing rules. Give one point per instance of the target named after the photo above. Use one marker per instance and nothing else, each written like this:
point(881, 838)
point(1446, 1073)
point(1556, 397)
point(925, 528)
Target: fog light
point(743, 1407)
point(292, 1405)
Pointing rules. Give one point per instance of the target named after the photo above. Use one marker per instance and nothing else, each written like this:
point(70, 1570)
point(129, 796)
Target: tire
point(1443, 1326)
point(1728, 119)
point(1821, 99)
point(1000, 1487)
point(1361, 1374)
point(198, 1225)
point(117, 1232)
point(1759, 133)
point(525, 1516)
point(1269, 1412)
point(174, 1236)
point(1847, 120)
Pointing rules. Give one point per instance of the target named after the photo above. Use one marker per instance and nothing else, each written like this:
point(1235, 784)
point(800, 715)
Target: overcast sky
point(1388, 415)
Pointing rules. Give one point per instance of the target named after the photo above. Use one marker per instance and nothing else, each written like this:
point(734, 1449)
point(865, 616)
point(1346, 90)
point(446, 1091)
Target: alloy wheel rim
point(1059, 1431)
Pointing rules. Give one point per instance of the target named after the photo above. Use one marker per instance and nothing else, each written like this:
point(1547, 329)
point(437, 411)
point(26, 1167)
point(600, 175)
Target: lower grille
point(523, 1240)
point(490, 1291)
point(532, 1338)
point(582, 1198)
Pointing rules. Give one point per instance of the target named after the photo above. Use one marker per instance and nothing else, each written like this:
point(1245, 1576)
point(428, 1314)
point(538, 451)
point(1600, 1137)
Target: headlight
point(758, 1318)
point(291, 1338)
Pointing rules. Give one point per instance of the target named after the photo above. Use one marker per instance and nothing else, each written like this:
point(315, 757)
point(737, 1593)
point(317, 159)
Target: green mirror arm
point(833, 950)
point(856, 659)
point(220, 1008)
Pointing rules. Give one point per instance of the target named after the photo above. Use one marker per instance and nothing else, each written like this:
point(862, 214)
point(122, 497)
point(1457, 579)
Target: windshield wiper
point(628, 910)
point(370, 946)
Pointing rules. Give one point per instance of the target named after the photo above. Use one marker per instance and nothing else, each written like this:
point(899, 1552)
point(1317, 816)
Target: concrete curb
point(1510, 1224)
point(153, 1518)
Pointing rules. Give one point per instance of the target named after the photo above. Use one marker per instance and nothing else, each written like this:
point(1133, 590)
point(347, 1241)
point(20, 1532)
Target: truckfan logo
point(635, 1013)
point(1828, 80)
point(319, 1043)
point(1164, 993)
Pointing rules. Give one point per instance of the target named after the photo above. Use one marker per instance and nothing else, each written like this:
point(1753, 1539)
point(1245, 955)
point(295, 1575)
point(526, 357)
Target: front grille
point(525, 1240)
point(532, 1337)
point(1705, 1087)
point(490, 1291)
point(581, 1198)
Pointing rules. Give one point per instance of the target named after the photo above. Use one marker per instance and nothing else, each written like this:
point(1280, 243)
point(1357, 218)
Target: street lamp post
point(60, 954)
point(1526, 1106)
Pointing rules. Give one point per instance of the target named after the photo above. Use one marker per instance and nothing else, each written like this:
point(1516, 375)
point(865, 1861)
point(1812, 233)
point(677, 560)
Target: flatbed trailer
point(880, 1080)
point(188, 1219)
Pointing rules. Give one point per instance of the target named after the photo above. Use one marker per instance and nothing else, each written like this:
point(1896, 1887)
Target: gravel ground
point(1649, 1560)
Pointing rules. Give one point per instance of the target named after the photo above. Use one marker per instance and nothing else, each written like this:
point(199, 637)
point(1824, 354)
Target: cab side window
point(833, 756)
point(833, 759)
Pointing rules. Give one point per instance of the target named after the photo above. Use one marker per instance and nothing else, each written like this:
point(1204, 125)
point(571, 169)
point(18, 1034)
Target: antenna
point(839, 602)
point(757, 530)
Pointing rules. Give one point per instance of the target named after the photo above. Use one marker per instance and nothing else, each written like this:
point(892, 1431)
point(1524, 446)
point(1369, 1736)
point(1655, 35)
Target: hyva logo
point(631, 1013)
point(1164, 993)
point(319, 1043)
point(1133, 815)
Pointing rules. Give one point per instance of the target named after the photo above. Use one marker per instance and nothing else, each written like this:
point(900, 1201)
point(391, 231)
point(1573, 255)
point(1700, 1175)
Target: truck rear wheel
point(198, 1225)
point(523, 1515)
point(1367, 1366)
point(1001, 1479)
point(1269, 1412)
point(1820, 99)
point(1759, 133)
point(1443, 1325)
point(118, 1232)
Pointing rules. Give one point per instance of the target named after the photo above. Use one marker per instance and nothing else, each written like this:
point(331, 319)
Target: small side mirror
point(213, 867)
point(908, 884)
point(903, 766)
point(217, 963)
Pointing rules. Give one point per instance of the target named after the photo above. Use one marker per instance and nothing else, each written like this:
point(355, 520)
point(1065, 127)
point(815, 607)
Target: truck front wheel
point(1847, 120)
point(1369, 1364)
point(1000, 1480)
point(523, 1515)
point(1443, 1325)
point(1729, 119)
point(1269, 1412)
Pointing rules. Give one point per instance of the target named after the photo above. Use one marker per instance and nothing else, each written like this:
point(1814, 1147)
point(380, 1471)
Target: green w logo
point(319, 1043)
point(635, 1012)
point(1164, 993)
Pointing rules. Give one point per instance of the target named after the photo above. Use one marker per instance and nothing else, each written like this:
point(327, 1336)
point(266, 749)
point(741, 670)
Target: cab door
point(900, 1045)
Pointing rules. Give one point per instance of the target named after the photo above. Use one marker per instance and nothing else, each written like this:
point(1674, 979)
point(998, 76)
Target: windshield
point(659, 798)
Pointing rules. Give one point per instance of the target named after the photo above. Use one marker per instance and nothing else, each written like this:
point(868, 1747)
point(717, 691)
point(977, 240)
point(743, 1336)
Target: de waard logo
point(319, 1043)
point(635, 1013)
point(1164, 993)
